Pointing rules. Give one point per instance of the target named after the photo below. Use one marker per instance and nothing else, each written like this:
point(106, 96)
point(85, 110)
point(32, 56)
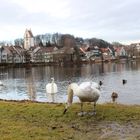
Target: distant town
point(60, 49)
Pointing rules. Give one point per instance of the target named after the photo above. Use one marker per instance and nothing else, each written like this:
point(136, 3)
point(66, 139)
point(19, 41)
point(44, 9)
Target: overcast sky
point(111, 20)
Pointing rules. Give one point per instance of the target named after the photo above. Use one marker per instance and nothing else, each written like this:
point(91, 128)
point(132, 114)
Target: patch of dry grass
point(44, 121)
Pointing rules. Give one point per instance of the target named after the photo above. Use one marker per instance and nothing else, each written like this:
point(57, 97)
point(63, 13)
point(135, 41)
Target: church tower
point(28, 39)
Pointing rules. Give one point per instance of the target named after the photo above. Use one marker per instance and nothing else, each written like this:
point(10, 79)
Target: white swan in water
point(87, 92)
point(51, 88)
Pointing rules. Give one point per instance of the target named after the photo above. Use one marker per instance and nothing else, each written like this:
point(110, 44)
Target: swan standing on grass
point(51, 88)
point(87, 92)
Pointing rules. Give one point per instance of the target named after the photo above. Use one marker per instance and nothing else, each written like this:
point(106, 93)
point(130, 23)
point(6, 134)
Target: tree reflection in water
point(30, 82)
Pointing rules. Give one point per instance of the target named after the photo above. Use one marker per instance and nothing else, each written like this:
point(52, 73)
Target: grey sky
point(111, 20)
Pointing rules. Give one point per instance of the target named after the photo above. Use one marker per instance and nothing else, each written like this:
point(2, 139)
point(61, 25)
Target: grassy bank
point(43, 121)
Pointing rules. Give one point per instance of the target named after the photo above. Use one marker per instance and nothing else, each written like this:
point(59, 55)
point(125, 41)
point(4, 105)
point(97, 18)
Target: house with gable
point(51, 54)
point(33, 51)
point(19, 54)
point(5, 54)
point(134, 50)
point(42, 54)
point(120, 52)
point(11, 54)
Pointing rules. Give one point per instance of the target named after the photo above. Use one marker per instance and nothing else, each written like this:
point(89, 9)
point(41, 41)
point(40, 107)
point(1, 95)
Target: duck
point(51, 88)
point(114, 96)
point(86, 91)
point(124, 81)
point(100, 83)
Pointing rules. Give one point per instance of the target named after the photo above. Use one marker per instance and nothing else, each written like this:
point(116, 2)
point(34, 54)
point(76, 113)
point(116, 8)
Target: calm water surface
point(21, 83)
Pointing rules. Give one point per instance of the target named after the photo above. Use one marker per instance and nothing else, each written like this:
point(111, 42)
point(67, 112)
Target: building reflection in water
point(29, 78)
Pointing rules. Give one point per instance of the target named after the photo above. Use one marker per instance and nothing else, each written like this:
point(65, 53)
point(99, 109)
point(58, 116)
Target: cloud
point(110, 20)
point(52, 8)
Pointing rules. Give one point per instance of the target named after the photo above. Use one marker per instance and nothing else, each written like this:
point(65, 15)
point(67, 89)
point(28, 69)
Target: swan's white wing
point(55, 88)
point(95, 85)
point(85, 85)
point(88, 85)
point(85, 89)
point(51, 88)
point(89, 91)
point(48, 88)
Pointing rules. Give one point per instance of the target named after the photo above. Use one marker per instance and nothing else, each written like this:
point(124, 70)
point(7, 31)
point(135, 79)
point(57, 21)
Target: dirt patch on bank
point(106, 131)
point(114, 130)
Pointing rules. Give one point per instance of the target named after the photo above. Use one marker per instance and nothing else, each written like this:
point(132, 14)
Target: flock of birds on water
point(86, 91)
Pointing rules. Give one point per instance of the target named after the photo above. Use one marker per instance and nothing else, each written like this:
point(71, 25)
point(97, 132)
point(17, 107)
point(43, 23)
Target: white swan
point(51, 88)
point(87, 92)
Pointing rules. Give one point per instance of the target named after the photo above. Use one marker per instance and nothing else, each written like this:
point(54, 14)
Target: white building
point(28, 39)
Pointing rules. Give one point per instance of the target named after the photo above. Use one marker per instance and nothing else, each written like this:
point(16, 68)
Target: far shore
point(34, 64)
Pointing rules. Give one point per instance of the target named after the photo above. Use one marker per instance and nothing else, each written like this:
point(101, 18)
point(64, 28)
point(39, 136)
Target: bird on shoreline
point(114, 96)
point(51, 88)
point(86, 91)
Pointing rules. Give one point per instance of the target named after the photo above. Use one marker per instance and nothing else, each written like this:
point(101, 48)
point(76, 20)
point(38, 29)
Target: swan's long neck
point(72, 89)
point(52, 87)
point(52, 80)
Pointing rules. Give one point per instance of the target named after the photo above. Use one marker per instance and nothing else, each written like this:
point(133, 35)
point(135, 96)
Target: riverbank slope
point(45, 121)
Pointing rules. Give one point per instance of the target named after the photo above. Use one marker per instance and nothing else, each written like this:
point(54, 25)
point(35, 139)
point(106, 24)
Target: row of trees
point(60, 40)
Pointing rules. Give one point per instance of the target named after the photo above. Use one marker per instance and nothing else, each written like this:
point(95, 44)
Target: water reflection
point(21, 83)
point(30, 83)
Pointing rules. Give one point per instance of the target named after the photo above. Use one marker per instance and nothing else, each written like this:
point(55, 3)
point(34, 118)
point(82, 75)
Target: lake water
point(29, 84)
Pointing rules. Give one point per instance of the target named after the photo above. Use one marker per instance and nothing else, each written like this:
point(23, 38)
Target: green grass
point(44, 121)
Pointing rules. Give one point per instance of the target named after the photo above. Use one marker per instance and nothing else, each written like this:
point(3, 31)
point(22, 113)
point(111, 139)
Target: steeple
point(28, 39)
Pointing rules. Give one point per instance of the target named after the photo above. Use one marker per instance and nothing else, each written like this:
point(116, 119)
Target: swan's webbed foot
point(82, 114)
point(92, 113)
